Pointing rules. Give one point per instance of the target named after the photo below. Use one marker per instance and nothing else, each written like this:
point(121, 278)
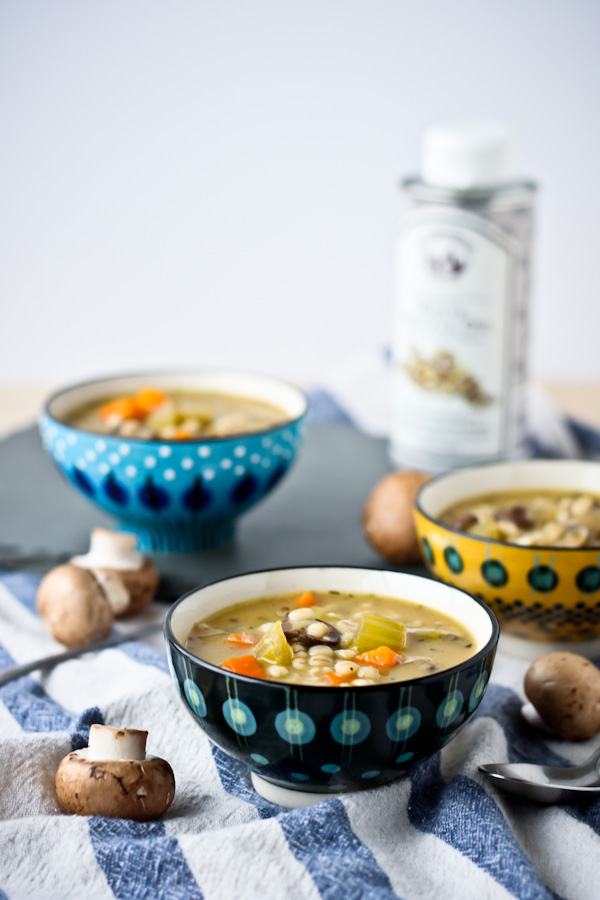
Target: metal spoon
point(548, 784)
point(48, 662)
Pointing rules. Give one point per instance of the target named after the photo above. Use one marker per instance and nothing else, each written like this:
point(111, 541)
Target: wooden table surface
point(20, 403)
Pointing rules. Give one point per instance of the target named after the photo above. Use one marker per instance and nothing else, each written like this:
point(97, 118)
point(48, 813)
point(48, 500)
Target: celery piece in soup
point(377, 631)
point(273, 646)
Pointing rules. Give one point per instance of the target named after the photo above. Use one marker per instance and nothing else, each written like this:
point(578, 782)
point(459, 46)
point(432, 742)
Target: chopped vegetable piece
point(334, 678)
point(273, 646)
point(242, 640)
point(149, 399)
point(164, 415)
point(424, 634)
point(302, 633)
point(244, 665)
point(181, 436)
point(306, 599)
point(381, 657)
point(124, 408)
point(377, 631)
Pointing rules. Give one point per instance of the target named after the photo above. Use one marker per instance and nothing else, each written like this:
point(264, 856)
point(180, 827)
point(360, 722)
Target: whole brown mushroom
point(114, 777)
point(73, 606)
point(565, 690)
point(130, 579)
point(388, 516)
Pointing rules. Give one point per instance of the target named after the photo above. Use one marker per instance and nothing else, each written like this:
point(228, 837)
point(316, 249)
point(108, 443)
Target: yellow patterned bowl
point(550, 595)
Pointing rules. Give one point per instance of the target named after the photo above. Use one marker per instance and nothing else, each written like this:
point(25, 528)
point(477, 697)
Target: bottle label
point(457, 341)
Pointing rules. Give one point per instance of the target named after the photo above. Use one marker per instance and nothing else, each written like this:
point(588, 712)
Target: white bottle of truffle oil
point(462, 284)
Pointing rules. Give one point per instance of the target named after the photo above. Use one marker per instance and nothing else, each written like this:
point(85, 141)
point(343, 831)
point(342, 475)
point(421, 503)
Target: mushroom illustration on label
point(113, 776)
point(79, 601)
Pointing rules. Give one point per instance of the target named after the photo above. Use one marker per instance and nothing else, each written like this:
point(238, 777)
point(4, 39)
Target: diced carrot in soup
point(381, 658)
point(331, 639)
point(244, 665)
point(124, 408)
point(334, 678)
point(242, 640)
point(150, 399)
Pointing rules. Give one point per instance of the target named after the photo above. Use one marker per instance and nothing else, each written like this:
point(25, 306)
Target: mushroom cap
point(565, 690)
point(73, 606)
point(388, 516)
point(119, 788)
point(142, 584)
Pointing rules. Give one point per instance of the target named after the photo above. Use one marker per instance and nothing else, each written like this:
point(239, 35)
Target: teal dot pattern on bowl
point(542, 578)
point(350, 727)
point(259, 759)
point(449, 709)
point(588, 580)
point(239, 717)
point(349, 740)
point(428, 552)
point(403, 724)
point(477, 691)
point(195, 697)
point(494, 573)
point(295, 727)
point(404, 757)
point(453, 560)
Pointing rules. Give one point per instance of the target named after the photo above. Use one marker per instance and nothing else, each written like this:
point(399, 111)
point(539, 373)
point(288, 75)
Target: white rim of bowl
point(484, 651)
point(463, 472)
point(175, 374)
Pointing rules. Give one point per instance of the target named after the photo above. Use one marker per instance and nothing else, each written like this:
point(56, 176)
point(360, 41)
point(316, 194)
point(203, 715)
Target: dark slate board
point(312, 518)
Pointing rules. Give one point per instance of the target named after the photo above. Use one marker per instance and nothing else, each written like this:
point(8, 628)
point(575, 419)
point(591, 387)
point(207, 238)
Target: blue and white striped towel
point(441, 833)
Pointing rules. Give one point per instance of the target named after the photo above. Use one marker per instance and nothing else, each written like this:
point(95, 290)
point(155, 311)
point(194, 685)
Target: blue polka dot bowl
point(175, 495)
point(304, 742)
point(545, 598)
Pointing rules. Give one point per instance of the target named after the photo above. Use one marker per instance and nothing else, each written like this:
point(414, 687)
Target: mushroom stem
point(108, 743)
point(111, 550)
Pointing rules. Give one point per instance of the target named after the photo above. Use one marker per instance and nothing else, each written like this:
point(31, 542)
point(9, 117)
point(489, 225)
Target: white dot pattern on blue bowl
point(182, 485)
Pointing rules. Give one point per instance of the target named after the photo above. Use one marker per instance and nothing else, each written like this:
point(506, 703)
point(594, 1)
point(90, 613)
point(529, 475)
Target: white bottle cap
point(466, 155)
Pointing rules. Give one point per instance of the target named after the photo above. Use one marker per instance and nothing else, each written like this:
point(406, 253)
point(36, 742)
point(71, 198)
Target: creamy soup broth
point(176, 415)
point(530, 518)
point(335, 640)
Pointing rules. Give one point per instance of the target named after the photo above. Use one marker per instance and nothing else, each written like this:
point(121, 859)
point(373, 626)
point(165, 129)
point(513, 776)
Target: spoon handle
point(48, 662)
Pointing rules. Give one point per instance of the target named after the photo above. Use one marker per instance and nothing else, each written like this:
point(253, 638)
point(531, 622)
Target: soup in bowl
point(178, 456)
point(361, 675)
point(525, 537)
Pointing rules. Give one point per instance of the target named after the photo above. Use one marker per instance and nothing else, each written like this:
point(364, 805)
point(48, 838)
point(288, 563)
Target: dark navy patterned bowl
point(329, 739)
point(175, 495)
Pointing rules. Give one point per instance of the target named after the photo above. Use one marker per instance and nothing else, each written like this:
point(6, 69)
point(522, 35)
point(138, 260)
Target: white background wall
point(216, 182)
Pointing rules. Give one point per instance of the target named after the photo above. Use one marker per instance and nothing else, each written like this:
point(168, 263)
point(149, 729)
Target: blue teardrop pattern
point(197, 498)
point(114, 490)
point(244, 490)
point(153, 497)
point(276, 476)
point(82, 481)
